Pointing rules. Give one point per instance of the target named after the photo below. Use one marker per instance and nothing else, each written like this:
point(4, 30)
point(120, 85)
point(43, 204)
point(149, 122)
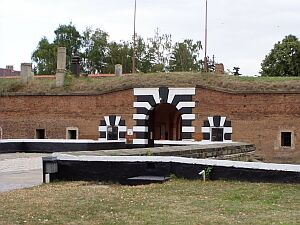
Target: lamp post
point(134, 47)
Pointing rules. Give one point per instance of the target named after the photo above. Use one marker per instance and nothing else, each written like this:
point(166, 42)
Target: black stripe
point(188, 110)
point(217, 120)
point(227, 123)
point(122, 134)
point(206, 136)
point(142, 122)
point(112, 120)
point(187, 123)
point(163, 94)
point(102, 123)
point(186, 135)
point(102, 134)
point(227, 137)
point(142, 111)
point(122, 123)
point(142, 135)
point(181, 98)
point(146, 98)
point(206, 123)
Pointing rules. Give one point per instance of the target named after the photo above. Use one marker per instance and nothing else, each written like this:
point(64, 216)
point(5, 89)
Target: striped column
point(112, 120)
point(217, 122)
point(148, 98)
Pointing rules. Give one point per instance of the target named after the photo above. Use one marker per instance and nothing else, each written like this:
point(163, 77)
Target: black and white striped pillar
point(217, 122)
point(148, 98)
point(112, 120)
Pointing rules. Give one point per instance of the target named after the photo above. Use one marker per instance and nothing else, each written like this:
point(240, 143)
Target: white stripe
point(102, 140)
point(102, 128)
point(142, 105)
point(188, 116)
point(227, 130)
point(140, 117)
point(140, 141)
point(211, 121)
point(181, 105)
point(140, 129)
point(188, 140)
point(107, 120)
point(183, 91)
point(122, 128)
point(188, 129)
point(148, 91)
point(118, 118)
point(205, 129)
point(222, 122)
point(180, 91)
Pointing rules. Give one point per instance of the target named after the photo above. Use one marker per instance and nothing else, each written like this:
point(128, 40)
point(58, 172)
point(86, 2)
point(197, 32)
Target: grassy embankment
point(175, 202)
point(104, 85)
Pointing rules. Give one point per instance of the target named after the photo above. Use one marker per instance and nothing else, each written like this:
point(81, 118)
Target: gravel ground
point(20, 170)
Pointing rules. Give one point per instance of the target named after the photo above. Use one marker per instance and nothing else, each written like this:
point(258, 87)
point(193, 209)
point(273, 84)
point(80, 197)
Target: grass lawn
point(109, 84)
point(175, 202)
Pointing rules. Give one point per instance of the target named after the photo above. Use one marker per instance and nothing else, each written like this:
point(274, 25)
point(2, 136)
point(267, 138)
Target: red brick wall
point(256, 118)
point(21, 115)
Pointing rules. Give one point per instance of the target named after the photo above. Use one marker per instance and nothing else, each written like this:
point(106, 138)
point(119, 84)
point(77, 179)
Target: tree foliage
point(45, 57)
point(186, 56)
point(284, 58)
point(99, 55)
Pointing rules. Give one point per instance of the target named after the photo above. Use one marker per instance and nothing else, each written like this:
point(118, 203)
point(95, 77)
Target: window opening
point(112, 133)
point(217, 134)
point(286, 139)
point(40, 134)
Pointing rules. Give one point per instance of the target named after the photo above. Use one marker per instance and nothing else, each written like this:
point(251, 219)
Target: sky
point(240, 32)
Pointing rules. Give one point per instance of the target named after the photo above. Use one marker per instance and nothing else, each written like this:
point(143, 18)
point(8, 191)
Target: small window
point(40, 134)
point(72, 134)
point(112, 133)
point(286, 139)
point(217, 134)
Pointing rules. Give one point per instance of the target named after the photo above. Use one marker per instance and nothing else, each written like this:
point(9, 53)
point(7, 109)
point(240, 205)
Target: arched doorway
point(165, 123)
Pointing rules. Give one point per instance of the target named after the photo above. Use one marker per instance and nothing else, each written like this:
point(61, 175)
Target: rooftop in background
point(111, 83)
point(9, 71)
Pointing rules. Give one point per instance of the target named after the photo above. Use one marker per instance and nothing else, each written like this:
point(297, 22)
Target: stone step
point(142, 180)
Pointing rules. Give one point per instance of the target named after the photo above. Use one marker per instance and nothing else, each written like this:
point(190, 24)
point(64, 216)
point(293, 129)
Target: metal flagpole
point(134, 47)
point(205, 50)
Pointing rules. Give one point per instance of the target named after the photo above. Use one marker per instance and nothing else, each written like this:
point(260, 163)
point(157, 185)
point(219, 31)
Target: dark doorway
point(112, 133)
point(40, 134)
point(72, 134)
point(217, 134)
point(165, 123)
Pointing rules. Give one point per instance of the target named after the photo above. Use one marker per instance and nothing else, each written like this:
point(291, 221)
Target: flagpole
point(205, 50)
point(134, 46)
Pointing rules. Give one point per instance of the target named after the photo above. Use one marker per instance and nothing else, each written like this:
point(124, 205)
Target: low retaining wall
point(119, 169)
point(50, 146)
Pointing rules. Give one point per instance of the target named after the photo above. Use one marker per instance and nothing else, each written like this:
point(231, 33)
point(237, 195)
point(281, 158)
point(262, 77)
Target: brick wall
point(256, 118)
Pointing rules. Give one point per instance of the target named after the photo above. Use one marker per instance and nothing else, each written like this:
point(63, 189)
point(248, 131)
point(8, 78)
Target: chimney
point(61, 66)
point(26, 73)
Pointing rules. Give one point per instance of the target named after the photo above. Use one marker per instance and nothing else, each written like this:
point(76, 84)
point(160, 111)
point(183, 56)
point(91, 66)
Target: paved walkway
point(20, 170)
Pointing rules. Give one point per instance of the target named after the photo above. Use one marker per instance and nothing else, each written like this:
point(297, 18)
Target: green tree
point(98, 51)
point(44, 57)
point(67, 36)
point(159, 50)
point(186, 56)
point(119, 53)
point(284, 58)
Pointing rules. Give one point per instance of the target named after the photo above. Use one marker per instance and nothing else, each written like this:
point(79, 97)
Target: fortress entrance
point(165, 123)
